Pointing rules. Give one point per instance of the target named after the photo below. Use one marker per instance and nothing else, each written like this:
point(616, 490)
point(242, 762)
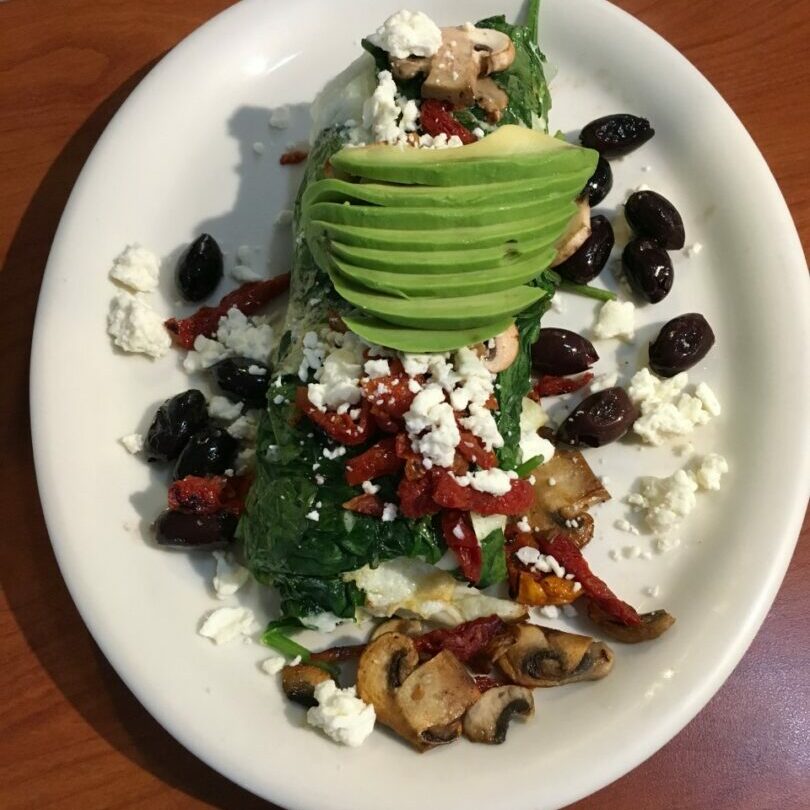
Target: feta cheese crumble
point(274, 663)
point(710, 470)
point(341, 715)
point(616, 319)
point(230, 576)
point(432, 425)
point(135, 327)
point(228, 623)
point(493, 482)
point(133, 442)
point(280, 117)
point(136, 268)
point(237, 335)
point(390, 513)
point(222, 408)
point(408, 33)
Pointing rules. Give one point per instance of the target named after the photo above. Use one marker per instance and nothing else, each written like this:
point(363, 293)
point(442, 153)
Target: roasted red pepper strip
point(380, 459)
point(460, 538)
point(338, 426)
point(365, 504)
point(568, 555)
point(436, 118)
point(208, 495)
point(465, 641)
point(249, 299)
point(451, 495)
point(549, 386)
point(471, 448)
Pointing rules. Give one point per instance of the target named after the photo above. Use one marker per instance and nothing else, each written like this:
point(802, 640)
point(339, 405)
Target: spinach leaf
point(493, 567)
point(410, 88)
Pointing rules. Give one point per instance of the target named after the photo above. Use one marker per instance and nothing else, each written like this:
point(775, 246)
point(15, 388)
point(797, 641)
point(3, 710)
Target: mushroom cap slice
point(653, 624)
point(434, 697)
point(406, 627)
point(496, 49)
point(504, 352)
point(578, 230)
point(384, 665)
point(542, 657)
point(487, 720)
point(299, 683)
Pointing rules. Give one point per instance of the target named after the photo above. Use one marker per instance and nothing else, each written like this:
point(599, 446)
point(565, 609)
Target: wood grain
point(71, 734)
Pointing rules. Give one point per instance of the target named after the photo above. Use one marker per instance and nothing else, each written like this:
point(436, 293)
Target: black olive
point(243, 380)
point(560, 351)
point(200, 269)
point(211, 451)
point(174, 423)
point(589, 259)
point(651, 215)
point(616, 135)
point(680, 344)
point(600, 184)
point(648, 269)
point(204, 532)
point(599, 419)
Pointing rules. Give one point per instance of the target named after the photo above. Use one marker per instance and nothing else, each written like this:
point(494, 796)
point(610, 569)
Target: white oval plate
point(177, 160)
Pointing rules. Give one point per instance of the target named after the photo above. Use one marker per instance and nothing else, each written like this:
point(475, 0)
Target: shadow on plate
point(36, 594)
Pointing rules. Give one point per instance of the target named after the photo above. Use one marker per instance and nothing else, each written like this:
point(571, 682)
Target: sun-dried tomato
point(365, 504)
point(460, 538)
point(413, 461)
point(486, 682)
point(436, 118)
point(568, 555)
point(415, 498)
point(338, 426)
point(472, 449)
point(390, 396)
point(451, 495)
point(465, 641)
point(550, 386)
point(293, 156)
point(380, 459)
point(248, 299)
point(208, 495)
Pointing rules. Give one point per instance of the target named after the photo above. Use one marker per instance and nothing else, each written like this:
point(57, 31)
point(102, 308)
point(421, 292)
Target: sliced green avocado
point(443, 261)
point(438, 285)
point(387, 194)
point(460, 312)
point(418, 341)
point(509, 153)
point(470, 238)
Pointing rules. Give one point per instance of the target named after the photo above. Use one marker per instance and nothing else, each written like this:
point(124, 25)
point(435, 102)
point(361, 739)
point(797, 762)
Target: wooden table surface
point(71, 734)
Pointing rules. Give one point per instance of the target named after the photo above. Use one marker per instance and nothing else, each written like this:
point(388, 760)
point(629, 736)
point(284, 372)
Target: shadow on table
point(34, 588)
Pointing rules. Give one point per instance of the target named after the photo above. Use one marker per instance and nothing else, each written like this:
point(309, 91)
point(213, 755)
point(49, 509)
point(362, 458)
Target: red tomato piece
point(485, 683)
point(208, 495)
point(550, 386)
point(380, 459)
point(465, 640)
point(451, 495)
point(460, 538)
point(249, 299)
point(415, 499)
point(436, 118)
point(292, 157)
point(365, 504)
point(471, 448)
point(338, 426)
point(568, 555)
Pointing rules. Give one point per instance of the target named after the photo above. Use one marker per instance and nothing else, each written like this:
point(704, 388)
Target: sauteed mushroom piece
point(653, 624)
point(405, 627)
point(578, 230)
point(487, 721)
point(544, 657)
point(504, 352)
point(299, 683)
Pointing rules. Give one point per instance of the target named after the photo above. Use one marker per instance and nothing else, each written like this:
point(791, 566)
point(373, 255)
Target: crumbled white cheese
point(136, 268)
point(616, 319)
point(338, 379)
point(246, 337)
point(625, 526)
point(243, 274)
point(229, 576)
point(280, 117)
point(479, 133)
point(325, 622)
point(133, 442)
point(710, 470)
point(381, 113)
point(666, 501)
point(708, 398)
point(135, 327)
point(206, 353)
point(246, 426)
point(524, 525)
point(432, 426)
point(493, 482)
point(666, 410)
point(222, 408)
point(258, 148)
point(377, 368)
point(407, 33)
point(314, 351)
point(604, 381)
point(333, 454)
point(228, 623)
point(481, 423)
point(341, 715)
point(274, 664)
point(369, 488)
point(314, 515)
point(410, 115)
point(245, 459)
point(389, 513)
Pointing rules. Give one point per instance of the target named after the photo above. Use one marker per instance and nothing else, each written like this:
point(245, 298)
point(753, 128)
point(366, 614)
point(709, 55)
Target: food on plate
point(383, 451)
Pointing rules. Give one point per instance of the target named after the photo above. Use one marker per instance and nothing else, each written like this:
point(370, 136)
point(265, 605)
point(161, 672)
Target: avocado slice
point(417, 341)
point(509, 153)
point(459, 312)
point(438, 285)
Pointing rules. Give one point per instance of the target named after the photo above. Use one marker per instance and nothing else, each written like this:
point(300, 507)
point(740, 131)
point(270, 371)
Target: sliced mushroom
point(384, 666)
point(434, 697)
point(406, 627)
point(487, 720)
point(299, 683)
point(504, 352)
point(544, 657)
point(653, 624)
point(578, 230)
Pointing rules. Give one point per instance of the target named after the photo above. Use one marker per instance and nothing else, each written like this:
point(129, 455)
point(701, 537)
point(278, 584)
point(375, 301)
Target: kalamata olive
point(648, 269)
point(591, 256)
point(599, 419)
point(560, 351)
point(651, 215)
point(210, 451)
point(680, 344)
point(600, 184)
point(204, 532)
point(174, 423)
point(616, 135)
point(243, 380)
point(200, 269)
